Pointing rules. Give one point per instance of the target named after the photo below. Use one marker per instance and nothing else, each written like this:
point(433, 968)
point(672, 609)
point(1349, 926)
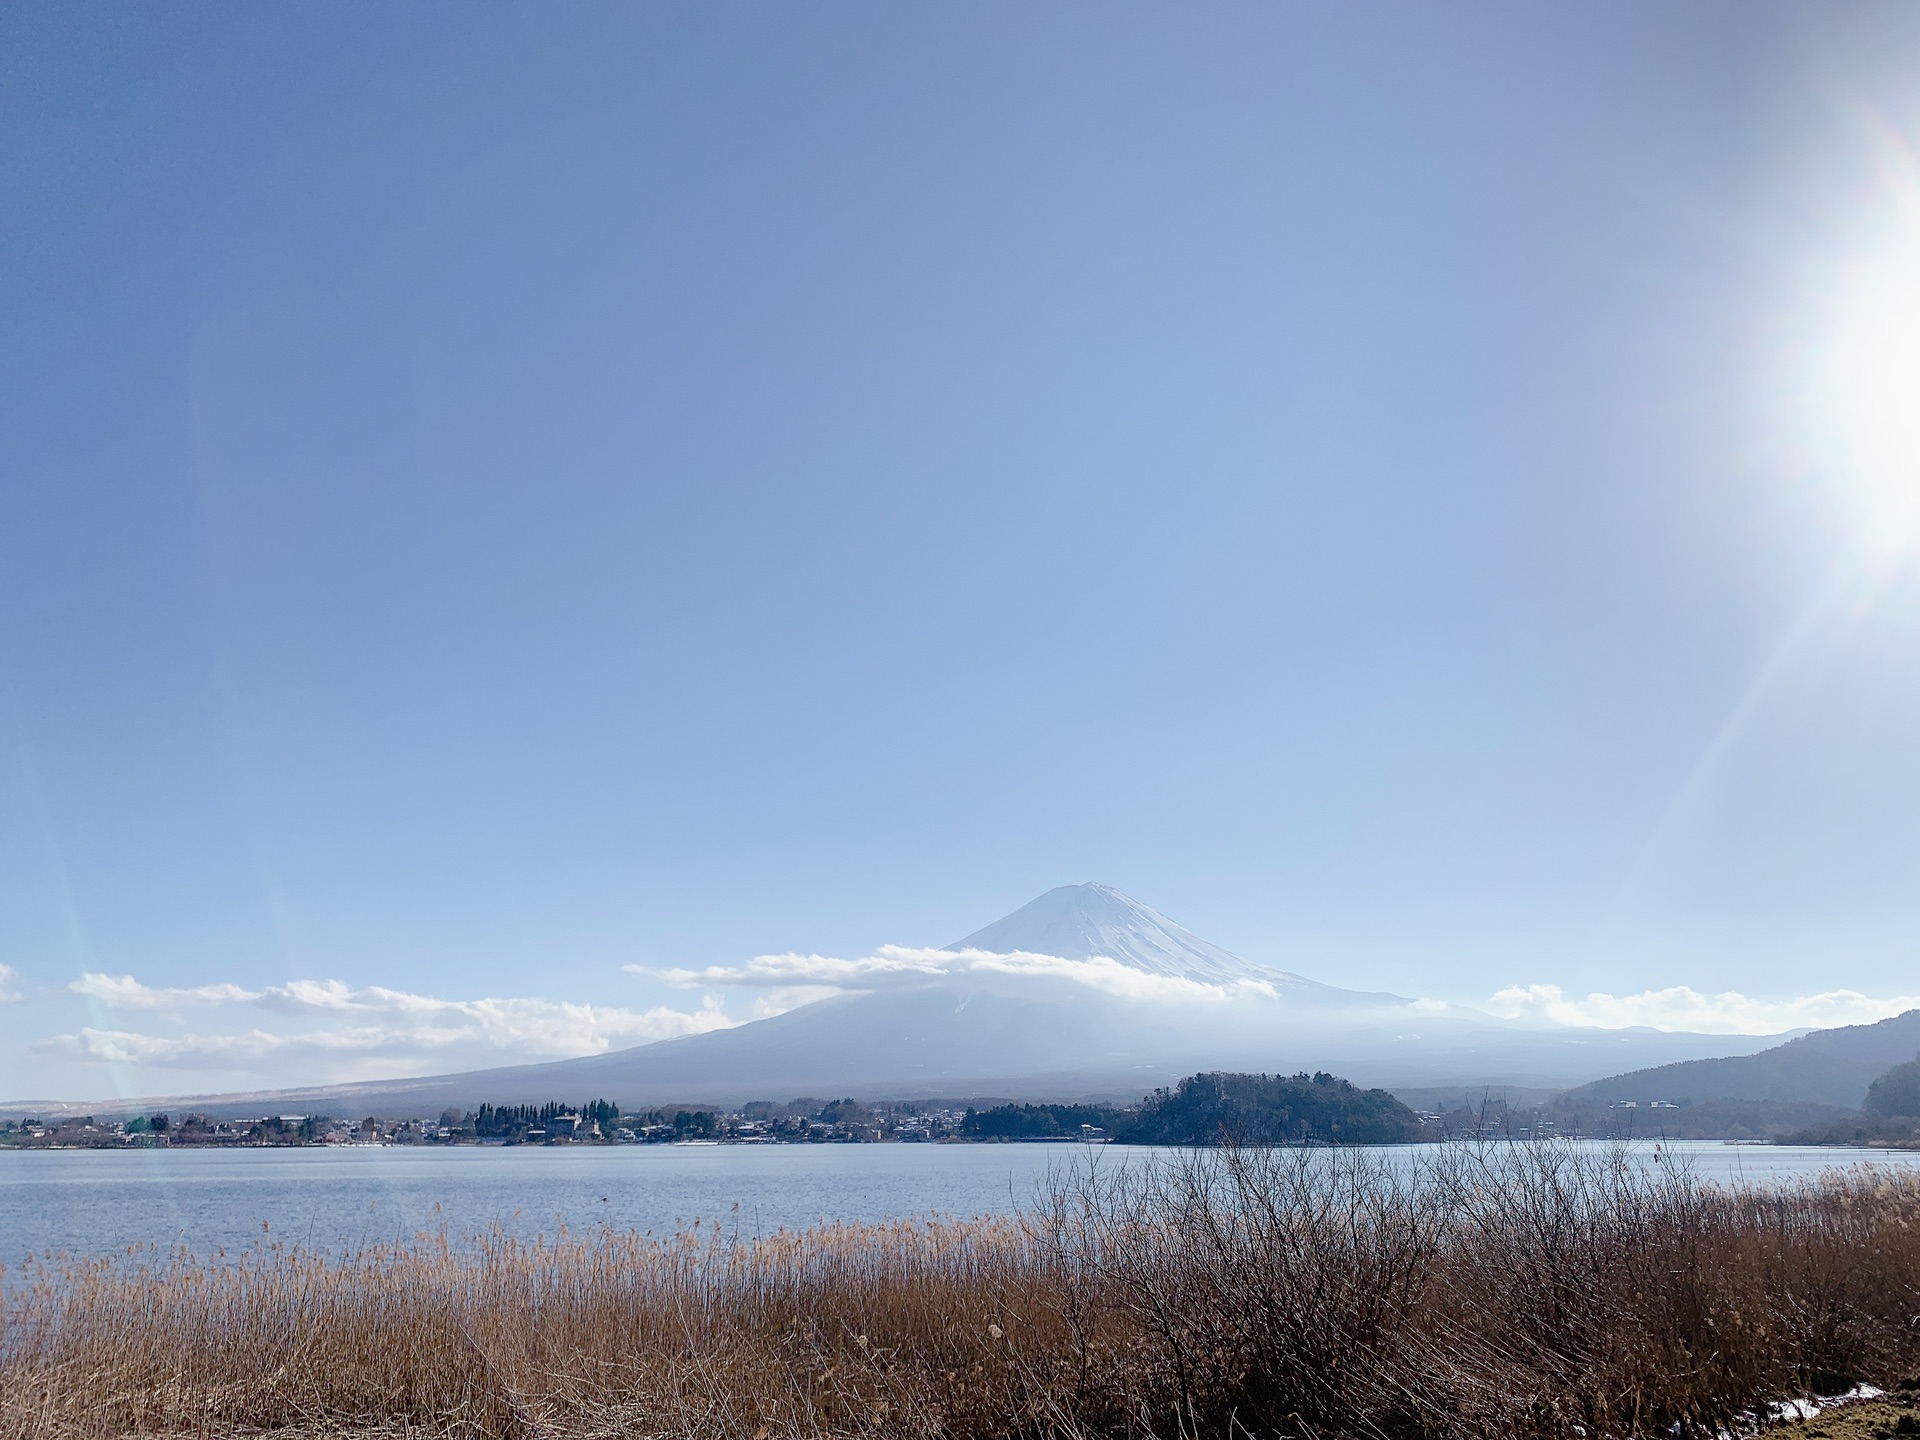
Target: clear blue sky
point(495, 495)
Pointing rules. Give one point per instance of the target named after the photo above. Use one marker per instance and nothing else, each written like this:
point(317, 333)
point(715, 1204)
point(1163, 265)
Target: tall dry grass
point(1504, 1291)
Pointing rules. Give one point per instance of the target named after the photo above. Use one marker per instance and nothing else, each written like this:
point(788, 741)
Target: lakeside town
point(1204, 1109)
point(844, 1122)
point(1200, 1110)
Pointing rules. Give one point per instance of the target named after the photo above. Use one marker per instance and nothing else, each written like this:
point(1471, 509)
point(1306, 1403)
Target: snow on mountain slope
point(1085, 922)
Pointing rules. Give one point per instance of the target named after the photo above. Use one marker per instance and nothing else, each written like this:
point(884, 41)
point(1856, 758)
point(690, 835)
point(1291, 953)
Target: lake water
point(93, 1202)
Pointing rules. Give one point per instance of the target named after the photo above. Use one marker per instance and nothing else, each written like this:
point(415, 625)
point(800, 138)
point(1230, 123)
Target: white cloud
point(897, 964)
point(371, 1023)
point(125, 992)
point(130, 1047)
point(7, 977)
point(1681, 1007)
point(783, 998)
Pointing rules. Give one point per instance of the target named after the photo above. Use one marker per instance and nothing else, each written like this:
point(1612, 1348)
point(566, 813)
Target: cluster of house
point(755, 1125)
point(85, 1132)
point(1486, 1123)
point(861, 1128)
point(1494, 1119)
point(802, 1122)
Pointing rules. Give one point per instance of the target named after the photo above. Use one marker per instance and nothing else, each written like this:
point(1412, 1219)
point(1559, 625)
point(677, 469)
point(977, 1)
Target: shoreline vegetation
point(1202, 1109)
point(1199, 1110)
point(1512, 1290)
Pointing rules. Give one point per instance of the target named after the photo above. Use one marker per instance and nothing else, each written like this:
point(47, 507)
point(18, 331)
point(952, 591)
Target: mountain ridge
point(1831, 1067)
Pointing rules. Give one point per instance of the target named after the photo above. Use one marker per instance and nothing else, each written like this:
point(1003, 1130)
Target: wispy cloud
point(333, 1019)
point(900, 964)
point(220, 1051)
point(7, 977)
point(1681, 1007)
point(125, 992)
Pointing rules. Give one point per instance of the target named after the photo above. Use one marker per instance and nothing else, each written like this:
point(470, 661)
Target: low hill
point(1271, 1110)
point(1896, 1093)
point(1217, 1108)
point(1826, 1067)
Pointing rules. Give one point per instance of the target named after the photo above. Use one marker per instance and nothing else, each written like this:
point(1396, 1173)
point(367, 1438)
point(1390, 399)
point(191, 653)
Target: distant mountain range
point(1082, 993)
point(1827, 1067)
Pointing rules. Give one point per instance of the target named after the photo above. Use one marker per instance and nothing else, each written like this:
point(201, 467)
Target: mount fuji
point(1085, 922)
point(1081, 993)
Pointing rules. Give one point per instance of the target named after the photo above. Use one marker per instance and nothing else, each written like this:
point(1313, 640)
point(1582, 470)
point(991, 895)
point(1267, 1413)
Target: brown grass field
point(1509, 1290)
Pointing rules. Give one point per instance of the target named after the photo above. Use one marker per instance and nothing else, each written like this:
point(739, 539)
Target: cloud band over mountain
point(347, 1032)
point(1681, 1007)
point(901, 964)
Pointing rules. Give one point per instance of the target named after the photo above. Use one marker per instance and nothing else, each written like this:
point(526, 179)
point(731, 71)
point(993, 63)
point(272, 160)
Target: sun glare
point(1864, 390)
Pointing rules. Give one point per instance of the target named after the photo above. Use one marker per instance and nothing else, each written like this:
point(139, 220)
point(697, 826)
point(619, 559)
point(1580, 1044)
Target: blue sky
point(496, 497)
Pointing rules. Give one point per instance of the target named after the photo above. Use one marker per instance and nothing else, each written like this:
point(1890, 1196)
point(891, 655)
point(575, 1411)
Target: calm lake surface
point(97, 1203)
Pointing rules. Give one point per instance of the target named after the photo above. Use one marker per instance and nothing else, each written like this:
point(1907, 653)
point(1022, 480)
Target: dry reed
point(1501, 1291)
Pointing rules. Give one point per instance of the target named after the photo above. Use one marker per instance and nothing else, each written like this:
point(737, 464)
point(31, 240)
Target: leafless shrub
point(1510, 1290)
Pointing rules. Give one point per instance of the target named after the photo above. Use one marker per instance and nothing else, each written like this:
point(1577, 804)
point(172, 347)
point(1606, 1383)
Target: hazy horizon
point(527, 534)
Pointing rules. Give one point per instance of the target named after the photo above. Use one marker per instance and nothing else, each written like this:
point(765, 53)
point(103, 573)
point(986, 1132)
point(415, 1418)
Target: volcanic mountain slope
point(1081, 993)
point(1827, 1067)
point(1083, 922)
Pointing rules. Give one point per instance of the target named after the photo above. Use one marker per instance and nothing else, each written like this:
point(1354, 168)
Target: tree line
point(1218, 1108)
point(505, 1122)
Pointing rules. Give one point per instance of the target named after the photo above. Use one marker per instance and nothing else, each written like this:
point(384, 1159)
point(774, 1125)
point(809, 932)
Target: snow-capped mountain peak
point(1079, 922)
